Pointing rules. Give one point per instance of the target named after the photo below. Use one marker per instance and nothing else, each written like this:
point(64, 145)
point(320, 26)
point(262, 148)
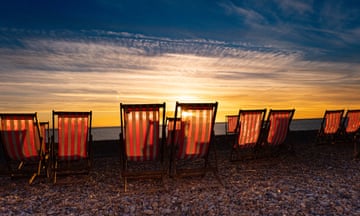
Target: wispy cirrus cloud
point(98, 73)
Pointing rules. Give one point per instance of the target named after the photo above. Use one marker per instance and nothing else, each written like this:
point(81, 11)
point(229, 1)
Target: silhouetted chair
point(143, 140)
point(330, 126)
point(45, 132)
point(195, 139)
point(276, 129)
point(351, 129)
point(248, 131)
point(170, 126)
point(21, 139)
point(231, 123)
point(71, 143)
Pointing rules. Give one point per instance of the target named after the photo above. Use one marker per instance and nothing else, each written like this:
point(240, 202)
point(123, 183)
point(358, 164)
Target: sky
point(95, 54)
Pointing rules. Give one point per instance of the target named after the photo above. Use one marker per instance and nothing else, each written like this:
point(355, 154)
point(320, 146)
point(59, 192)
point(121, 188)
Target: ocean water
point(112, 133)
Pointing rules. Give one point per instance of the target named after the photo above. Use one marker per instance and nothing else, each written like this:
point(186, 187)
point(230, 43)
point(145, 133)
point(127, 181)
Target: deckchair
point(170, 126)
point(249, 128)
point(71, 143)
point(142, 140)
point(194, 140)
point(330, 126)
point(45, 132)
point(21, 139)
point(276, 129)
point(350, 129)
point(231, 123)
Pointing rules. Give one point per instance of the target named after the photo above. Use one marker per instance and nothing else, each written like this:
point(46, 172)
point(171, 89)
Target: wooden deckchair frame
point(231, 124)
point(329, 131)
point(350, 130)
point(13, 121)
point(248, 132)
point(147, 154)
point(275, 137)
point(180, 115)
point(63, 157)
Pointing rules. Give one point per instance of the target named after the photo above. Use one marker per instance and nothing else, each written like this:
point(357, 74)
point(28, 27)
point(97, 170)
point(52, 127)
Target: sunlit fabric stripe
point(170, 127)
point(73, 136)
point(231, 123)
point(353, 121)
point(20, 137)
point(250, 128)
point(279, 125)
point(333, 121)
point(142, 133)
point(196, 126)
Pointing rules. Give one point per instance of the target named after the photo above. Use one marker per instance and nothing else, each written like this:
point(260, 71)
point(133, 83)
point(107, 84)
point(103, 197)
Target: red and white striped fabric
point(333, 121)
point(279, 125)
point(142, 133)
point(20, 136)
point(231, 123)
point(353, 121)
point(73, 136)
point(196, 130)
point(250, 127)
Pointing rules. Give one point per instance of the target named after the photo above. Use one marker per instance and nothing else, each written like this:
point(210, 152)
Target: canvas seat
point(276, 129)
point(249, 128)
point(21, 139)
point(350, 131)
point(195, 139)
point(71, 143)
point(231, 124)
point(330, 126)
point(142, 141)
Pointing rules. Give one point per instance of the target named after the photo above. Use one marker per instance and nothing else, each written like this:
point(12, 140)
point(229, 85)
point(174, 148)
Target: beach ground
point(312, 180)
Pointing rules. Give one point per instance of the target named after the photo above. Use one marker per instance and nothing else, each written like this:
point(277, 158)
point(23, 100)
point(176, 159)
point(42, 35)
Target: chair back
point(197, 129)
point(332, 121)
point(231, 124)
point(278, 126)
point(352, 119)
point(141, 131)
point(20, 136)
point(250, 125)
point(73, 134)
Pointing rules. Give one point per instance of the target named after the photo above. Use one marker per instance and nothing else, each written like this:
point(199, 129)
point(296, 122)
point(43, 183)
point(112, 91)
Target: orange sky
point(85, 80)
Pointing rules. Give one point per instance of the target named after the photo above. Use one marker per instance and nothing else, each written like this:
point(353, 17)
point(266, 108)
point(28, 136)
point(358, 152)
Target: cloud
point(297, 6)
point(100, 71)
point(249, 15)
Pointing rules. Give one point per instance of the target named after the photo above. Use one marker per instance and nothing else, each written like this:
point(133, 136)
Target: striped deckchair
point(45, 133)
point(231, 124)
point(351, 129)
point(71, 142)
point(277, 128)
point(249, 128)
point(351, 123)
point(195, 137)
point(170, 127)
point(142, 139)
point(330, 126)
point(21, 139)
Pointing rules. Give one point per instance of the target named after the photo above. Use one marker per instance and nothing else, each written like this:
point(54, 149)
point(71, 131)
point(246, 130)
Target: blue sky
point(81, 55)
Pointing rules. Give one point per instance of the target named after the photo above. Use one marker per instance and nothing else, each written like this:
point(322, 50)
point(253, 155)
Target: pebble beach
point(312, 180)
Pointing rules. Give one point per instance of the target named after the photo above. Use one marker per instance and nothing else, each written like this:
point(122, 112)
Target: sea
point(112, 133)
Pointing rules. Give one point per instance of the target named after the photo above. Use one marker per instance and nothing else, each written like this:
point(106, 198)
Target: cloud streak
point(57, 73)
